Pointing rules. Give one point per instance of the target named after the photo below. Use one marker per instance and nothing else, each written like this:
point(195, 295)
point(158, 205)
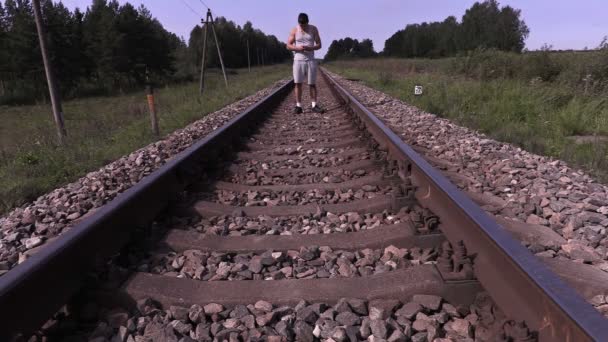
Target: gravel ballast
point(281, 198)
point(331, 177)
point(319, 223)
point(422, 318)
point(307, 263)
point(305, 161)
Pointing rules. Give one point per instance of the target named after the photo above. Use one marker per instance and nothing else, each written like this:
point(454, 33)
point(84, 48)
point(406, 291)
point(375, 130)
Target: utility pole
point(202, 80)
point(50, 77)
point(248, 58)
point(210, 21)
point(217, 44)
point(257, 52)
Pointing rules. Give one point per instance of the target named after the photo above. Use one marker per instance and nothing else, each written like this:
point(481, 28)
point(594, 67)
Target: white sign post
point(418, 90)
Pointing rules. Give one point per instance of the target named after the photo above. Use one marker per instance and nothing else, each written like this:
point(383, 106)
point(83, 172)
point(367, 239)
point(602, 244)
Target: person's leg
point(298, 79)
point(313, 94)
point(312, 81)
point(312, 84)
point(299, 94)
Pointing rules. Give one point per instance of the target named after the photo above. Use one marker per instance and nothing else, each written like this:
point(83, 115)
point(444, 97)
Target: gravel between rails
point(423, 318)
point(306, 161)
point(334, 177)
point(278, 198)
point(307, 263)
point(323, 223)
point(31, 225)
point(523, 186)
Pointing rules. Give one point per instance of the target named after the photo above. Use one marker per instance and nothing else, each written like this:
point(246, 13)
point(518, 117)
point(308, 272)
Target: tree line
point(110, 48)
point(263, 49)
point(350, 48)
point(483, 26)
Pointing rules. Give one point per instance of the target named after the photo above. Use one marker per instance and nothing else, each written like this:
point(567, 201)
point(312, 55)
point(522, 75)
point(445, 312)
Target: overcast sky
point(564, 24)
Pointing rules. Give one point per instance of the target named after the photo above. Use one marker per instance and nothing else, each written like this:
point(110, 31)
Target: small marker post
point(151, 104)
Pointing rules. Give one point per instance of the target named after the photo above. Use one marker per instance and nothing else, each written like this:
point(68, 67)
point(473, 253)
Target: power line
point(204, 4)
point(191, 9)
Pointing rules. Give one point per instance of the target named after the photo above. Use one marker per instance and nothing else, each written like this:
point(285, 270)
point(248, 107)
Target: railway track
point(282, 227)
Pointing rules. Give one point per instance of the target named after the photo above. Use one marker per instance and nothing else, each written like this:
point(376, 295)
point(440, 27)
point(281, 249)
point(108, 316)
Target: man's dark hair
point(303, 19)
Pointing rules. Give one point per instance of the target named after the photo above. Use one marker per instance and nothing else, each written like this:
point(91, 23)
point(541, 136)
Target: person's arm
point(317, 37)
point(291, 42)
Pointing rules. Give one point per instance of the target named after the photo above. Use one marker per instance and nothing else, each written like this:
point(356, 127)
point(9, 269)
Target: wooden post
point(50, 78)
point(151, 105)
point(202, 80)
point(217, 44)
point(248, 58)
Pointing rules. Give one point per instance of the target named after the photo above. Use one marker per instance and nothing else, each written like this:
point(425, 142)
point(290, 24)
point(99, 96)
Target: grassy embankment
point(102, 129)
point(543, 102)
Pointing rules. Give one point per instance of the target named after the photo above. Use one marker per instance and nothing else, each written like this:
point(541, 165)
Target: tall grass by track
point(540, 116)
point(102, 129)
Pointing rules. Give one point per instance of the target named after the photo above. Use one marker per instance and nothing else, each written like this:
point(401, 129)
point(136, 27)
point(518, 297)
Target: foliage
point(483, 26)
point(350, 48)
point(541, 65)
point(109, 49)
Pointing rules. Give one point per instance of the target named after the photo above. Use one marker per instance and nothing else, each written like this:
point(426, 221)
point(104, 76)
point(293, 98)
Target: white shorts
point(305, 70)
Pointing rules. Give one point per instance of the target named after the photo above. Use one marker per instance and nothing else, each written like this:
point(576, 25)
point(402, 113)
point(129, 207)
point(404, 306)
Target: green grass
point(538, 116)
point(102, 129)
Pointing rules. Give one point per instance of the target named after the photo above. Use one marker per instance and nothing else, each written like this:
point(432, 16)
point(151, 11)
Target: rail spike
point(405, 169)
point(454, 263)
point(424, 220)
point(517, 332)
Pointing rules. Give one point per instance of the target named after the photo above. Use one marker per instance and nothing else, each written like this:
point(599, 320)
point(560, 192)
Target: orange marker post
point(152, 107)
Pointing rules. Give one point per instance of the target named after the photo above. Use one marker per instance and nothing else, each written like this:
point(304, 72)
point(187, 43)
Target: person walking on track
point(303, 40)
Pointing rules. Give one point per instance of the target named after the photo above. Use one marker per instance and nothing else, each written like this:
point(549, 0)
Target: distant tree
point(350, 48)
point(3, 48)
point(484, 26)
point(233, 44)
point(102, 37)
point(478, 25)
point(21, 39)
point(366, 48)
point(63, 43)
point(512, 31)
point(448, 41)
point(603, 44)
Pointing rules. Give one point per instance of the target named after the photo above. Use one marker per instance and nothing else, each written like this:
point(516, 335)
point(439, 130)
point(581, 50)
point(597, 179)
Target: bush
point(487, 64)
point(541, 64)
point(385, 78)
point(599, 70)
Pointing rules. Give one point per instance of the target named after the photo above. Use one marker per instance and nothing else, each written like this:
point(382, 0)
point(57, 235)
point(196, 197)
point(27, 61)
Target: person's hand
point(309, 48)
point(299, 48)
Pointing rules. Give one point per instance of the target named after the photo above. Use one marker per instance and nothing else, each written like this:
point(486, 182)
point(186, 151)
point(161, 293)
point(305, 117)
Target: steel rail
point(34, 290)
point(520, 284)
